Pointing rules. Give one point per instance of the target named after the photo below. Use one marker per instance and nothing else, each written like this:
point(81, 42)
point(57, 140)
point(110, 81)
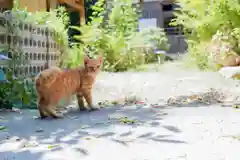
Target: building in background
point(75, 7)
point(159, 13)
point(154, 13)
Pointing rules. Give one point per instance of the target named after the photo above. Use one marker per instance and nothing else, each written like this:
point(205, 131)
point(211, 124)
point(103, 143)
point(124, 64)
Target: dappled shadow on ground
point(118, 124)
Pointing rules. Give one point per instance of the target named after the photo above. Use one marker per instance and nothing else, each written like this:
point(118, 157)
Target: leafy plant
point(113, 32)
point(75, 57)
point(16, 91)
point(203, 20)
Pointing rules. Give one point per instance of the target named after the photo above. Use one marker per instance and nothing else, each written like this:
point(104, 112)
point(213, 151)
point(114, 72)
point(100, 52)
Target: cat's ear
point(86, 58)
point(100, 58)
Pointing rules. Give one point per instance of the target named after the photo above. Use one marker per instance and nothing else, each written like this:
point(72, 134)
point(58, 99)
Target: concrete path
point(195, 132)
point(157, 133)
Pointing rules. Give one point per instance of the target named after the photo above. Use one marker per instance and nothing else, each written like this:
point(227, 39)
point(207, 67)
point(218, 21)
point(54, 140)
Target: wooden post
point(47, 37)
point(141, 3)
point(82, 13)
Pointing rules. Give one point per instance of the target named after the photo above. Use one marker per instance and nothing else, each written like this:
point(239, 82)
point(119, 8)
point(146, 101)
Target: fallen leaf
point(53, 146)
point(194, 97)
point(140, 102)
point(115, 102)
point(97, 123)
point(23, 143)
point(157, 106)
point(31, 145)
point(85, 126)
point(88, 138)
point(236, 137)
point(125, 120)
point(39, 130)
point(3, 128)
point(236, 106)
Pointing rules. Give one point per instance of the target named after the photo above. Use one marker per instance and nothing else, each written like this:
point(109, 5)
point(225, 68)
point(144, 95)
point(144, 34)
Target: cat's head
point(93, 66)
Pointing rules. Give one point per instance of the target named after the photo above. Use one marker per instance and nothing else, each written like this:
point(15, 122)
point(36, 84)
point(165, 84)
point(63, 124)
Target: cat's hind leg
point(68, 100)
point(49, 109)
point(40, 106)
point(42, 113)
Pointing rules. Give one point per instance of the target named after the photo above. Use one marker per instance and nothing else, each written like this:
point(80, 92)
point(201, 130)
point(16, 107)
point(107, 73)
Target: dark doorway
point(74, 17)
point(74, 20)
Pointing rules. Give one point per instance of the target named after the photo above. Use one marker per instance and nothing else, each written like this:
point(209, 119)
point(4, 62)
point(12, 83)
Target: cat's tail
point(41, 81)
point(47, 77)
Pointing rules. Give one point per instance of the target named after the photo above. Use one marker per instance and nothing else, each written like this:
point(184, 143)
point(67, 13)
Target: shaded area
point(79, 128)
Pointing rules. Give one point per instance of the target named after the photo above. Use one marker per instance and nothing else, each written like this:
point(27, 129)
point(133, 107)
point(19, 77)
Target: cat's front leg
point(87, 94)
point(81, 102)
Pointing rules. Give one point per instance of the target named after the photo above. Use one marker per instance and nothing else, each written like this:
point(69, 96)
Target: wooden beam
point(79, 5)
point(72, 4)
point(6, 4)
point(82, 13)
point(72, 9)
point(141, 3)
point(167, 2)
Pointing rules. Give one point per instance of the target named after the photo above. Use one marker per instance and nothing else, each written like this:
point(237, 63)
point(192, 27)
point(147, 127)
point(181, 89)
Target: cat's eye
point(91, 68)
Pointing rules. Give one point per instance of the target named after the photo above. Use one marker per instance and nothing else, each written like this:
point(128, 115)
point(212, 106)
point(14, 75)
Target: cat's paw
point(93, 109)
point(83, 109)
point(42, 117)
point(57, 116)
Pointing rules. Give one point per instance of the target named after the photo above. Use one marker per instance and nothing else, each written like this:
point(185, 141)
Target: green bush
point(203, 21)
point(154, 39)
point(116, 37)
point(74, 57)
point(19, 91)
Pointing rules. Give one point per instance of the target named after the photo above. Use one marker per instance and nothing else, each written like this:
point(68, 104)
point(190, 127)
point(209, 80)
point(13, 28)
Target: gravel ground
point(156, 87)
point(133, 131)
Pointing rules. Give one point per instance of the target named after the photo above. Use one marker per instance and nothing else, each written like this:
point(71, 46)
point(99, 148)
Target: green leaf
point(3, 128)
point(236, 106)
point(53, 146)
point(76, 28)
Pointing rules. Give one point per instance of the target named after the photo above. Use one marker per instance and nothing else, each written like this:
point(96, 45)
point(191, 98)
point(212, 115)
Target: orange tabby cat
point(77, 81)
point(46, 77)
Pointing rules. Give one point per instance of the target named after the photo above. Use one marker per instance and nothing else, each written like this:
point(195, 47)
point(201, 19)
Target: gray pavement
point(149, 132)
point(157, 134)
